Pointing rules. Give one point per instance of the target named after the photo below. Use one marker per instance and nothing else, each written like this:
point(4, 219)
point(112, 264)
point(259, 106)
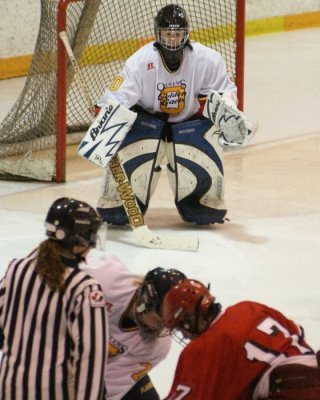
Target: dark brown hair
point(49, 264)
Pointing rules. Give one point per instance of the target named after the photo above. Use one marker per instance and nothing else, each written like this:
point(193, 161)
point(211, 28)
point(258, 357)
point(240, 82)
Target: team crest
point(172, 99)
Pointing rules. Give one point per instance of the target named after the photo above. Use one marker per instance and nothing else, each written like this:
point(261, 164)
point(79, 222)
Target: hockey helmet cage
point(172, 20)
point(72, 222)
point(185, 304)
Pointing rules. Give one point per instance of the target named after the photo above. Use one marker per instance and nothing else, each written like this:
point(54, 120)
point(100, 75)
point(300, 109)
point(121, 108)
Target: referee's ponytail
point(69, 223)
point(49, 264)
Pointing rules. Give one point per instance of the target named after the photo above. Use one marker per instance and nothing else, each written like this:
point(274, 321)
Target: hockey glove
point(235, 128)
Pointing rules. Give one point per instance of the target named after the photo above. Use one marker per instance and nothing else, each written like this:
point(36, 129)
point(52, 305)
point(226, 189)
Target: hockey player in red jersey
point(247, 352)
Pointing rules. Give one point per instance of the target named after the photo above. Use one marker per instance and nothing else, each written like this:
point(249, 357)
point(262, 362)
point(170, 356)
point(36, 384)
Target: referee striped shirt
point(54, 342)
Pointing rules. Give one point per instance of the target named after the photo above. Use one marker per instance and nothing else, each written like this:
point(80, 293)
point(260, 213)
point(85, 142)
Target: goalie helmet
point(153, 289)
point(188, 304)
point(171, 27)
point(72, 222)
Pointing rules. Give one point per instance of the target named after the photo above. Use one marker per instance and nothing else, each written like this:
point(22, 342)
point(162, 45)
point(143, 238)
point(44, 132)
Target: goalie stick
point(124, 188)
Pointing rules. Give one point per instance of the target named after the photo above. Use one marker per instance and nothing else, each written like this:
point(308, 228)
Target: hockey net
point(51, 109)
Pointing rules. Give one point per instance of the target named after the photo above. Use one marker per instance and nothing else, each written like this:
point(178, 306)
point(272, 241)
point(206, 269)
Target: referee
point(53, 326)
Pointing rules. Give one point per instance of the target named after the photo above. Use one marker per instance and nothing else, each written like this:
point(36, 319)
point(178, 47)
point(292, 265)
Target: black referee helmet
point(72, 222)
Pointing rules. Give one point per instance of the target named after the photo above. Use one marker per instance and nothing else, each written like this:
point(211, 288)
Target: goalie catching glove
point(235, 129)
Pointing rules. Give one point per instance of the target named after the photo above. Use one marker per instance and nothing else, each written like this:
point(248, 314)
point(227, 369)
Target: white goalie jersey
point(130, 356)
point(146, 81)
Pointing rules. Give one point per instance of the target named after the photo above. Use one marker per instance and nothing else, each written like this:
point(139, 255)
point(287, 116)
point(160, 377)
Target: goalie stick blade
point(154, 241)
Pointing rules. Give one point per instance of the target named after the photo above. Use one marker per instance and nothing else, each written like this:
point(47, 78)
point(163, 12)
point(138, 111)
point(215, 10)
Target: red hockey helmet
point(188, 303)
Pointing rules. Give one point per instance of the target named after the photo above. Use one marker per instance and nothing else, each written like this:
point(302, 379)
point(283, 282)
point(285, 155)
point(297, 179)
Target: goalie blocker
point(106, 133)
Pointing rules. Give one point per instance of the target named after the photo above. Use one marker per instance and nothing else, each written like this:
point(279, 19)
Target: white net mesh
point(103, 33)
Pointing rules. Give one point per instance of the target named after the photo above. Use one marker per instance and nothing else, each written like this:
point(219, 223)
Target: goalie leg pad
point(196, 172)
point(140, 153)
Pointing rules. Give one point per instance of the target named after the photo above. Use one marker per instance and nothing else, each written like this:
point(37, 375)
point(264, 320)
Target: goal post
point(86, 18)
point(51, 110)
point(239, 51)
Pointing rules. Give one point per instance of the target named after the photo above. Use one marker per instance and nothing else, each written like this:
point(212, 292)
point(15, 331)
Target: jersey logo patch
point(97, 299)
point(150, 66)
point(172, 99)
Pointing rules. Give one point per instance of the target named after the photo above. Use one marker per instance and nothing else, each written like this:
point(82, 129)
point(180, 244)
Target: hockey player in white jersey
point(137, 340)
point(187, 110)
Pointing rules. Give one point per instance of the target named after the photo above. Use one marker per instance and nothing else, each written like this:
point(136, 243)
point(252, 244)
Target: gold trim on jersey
point(114, 350)
point(116, 83)
point(146, 368)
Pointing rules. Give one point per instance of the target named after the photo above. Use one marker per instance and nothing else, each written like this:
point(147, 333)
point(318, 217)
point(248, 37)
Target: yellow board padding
point(221, 33)
point(264, 25)
point(107, 52)
point(284, 23)
point(19, 66)
point(14, 67)
point(300, 21)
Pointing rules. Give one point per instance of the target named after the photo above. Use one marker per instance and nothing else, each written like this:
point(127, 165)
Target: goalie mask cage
point(51, 109)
